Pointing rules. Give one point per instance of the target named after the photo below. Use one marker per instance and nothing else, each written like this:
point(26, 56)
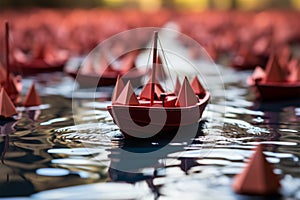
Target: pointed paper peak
point(10, 84)
point(177, 86)
point(197, 87)
point(7, 108)
point(118, 89)
point(258, 73)
point(11, 89)
point(186, 96)
point(258, 177)
point(274, 73)
point(127, 96)
point(32, 98)
point(146, 91)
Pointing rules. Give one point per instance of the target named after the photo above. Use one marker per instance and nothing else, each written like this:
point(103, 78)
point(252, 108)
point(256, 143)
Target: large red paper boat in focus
point(156, 113)
point(276, 82)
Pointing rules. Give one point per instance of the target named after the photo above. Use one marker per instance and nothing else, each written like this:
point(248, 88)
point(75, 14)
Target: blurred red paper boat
point(35, 66)
point(32, 98)
point(155, 111)
point(41, 56)
point(104, 73)
point(276, 82)
point(11, 84)
point(244, 59)
point(7, 108)
point(258, 177)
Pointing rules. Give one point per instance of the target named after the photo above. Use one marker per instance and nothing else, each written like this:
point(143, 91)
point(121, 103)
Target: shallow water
point(57, 155)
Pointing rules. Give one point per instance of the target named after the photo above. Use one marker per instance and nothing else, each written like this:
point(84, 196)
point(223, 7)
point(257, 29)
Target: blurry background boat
point(277, 82)
point(97, 71)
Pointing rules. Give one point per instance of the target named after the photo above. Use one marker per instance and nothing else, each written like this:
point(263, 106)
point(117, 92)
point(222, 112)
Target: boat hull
point(277, 91)
point(92, 80)
point(146, 122)
point(35, 67)
point(108, 78)
point(240, 62)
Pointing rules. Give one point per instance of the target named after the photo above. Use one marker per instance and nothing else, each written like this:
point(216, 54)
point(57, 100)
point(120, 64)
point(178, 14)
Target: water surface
point(46, 155)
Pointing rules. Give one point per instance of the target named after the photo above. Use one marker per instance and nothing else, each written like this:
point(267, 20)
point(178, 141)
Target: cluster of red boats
point(155, 108)
point(246, 38)
point(250, 40)
point(39, 45)
point(263, 42)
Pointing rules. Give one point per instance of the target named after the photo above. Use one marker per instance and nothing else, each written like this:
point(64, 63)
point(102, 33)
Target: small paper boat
point(258, 177)
point(41, 57)
point(7, 108)
point(156, 113)
point(36, 66)
point(104, 74)
point(276, 82)
point(32, 98)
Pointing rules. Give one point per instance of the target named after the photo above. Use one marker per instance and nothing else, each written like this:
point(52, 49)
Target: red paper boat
point(106, 75)
point(258, 177)
point(155, 112)
point(245, 59)
point(32, 98)
point(11, 84)
point(278, 91)
point(36, 66)
point(43, 57)
point(7, 108)
point(276, 82)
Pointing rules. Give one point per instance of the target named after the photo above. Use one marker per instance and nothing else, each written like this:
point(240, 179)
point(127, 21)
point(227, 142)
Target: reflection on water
point(44, 150)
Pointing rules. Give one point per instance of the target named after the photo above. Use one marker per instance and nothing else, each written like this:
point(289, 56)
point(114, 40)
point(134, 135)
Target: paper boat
point(276, 82)
point(42, 57)
point(258, 177)
point(32, 98)
point(35, 66)
point(7, 108)
point(154, 110)
point(104, 74)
